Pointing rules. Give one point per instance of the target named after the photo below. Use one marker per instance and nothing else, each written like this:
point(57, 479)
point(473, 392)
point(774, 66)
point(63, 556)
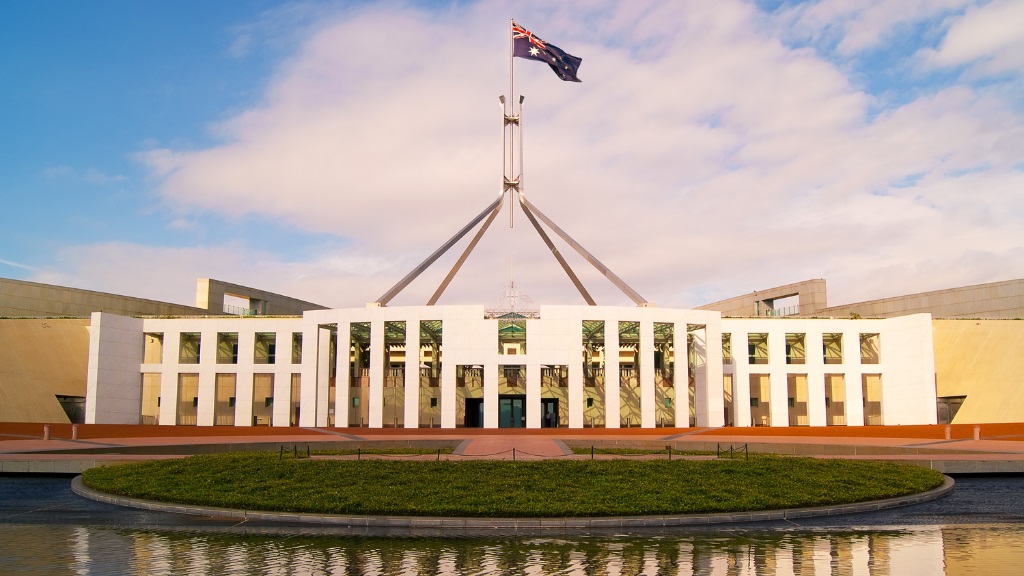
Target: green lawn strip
point(509, 489)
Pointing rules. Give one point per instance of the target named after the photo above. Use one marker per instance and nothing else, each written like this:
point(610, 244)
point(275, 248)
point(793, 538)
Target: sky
point(322, 150)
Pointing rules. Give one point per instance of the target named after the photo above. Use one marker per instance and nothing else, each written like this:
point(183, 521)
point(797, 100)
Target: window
point(832, 348)
point(188, 350)
point(757, 348)
point(227, 348)
point(296, 347)
point(266, 348)
point(870, 349)
point(796, 353)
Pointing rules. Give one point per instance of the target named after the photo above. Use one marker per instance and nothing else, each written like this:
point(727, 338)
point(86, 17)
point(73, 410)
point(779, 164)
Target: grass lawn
point(262, 481)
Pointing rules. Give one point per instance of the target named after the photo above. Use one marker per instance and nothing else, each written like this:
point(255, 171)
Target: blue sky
point(322, 149)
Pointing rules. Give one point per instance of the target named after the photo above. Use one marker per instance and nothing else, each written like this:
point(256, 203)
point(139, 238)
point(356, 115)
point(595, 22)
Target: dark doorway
point(474, 412)
point(549, 413)
point(512, 411)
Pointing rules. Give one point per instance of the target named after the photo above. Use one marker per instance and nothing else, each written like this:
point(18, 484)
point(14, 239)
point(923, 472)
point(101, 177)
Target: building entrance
point(549, 413)
point(511, 411)
point(474, 412)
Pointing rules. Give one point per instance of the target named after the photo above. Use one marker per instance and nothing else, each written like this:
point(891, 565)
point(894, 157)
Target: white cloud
point(700, 158)
point(990, 37)
point(858, 25)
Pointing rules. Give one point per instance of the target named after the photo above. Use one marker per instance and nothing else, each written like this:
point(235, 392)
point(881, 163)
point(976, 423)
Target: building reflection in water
point(86, 551)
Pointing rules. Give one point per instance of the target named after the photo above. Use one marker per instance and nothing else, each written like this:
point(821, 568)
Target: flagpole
point(511, 110)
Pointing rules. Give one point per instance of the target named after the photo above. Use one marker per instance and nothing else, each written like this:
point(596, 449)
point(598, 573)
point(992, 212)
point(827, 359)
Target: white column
point(310, 413)
point(815, 364)
point(681, 375)
point(282, 382)
point(532, 393)
point(207, 375)
point(715, 396)
point(646, 374)
point(342, 376)
point(376, 407)
point(612, 397)
point(778, 379)
point(700, 376)
point(852, 377)
point(741, 377)
point(448, 389)
point(412, 373)
point(491, 372)
point(576, 393)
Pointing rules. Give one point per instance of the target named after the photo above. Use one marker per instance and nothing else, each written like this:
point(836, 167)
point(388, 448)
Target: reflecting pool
point(978, 530)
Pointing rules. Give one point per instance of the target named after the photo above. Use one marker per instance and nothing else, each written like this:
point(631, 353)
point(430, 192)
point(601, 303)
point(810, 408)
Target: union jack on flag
point(526, 44)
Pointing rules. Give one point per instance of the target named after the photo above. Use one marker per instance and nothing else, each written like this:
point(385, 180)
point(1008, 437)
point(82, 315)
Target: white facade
point(671, 372)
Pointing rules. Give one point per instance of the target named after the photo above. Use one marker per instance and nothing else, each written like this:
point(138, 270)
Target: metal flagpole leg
point(618, 282)
point(383, 300)
point(465, 254)
point(558, 256)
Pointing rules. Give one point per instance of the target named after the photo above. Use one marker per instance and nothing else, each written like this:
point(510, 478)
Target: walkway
point(999, 447)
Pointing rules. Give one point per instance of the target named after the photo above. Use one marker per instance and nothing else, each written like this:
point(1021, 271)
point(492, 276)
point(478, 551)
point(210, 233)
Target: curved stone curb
point(435, 526)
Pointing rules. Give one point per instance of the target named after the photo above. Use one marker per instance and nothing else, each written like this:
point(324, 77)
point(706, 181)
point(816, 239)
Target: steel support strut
point(491, 209)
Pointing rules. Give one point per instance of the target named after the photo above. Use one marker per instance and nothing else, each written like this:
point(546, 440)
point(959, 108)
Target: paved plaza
point(957, 449)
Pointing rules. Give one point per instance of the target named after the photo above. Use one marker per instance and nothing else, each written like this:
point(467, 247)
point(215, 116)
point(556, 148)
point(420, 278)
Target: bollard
point(513, 454)
point(438, 454)
point(74, 431)
point(46, 432)
point(591, 452)
point(949, 432)
point(977, 432)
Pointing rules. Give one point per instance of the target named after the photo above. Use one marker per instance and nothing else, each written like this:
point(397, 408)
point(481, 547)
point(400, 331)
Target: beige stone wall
point(21, 299)
point(39, 359)
point(210, 295)
point(993, 300)
point(984, 361)
point(811, 293)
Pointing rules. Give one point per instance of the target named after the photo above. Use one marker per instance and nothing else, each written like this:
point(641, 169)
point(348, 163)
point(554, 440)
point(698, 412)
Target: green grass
point(260, 481)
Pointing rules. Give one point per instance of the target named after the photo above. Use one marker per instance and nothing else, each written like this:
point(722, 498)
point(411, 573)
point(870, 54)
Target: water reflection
point(87, 551)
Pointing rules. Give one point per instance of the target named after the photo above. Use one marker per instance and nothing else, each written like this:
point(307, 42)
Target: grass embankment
point(509, 489)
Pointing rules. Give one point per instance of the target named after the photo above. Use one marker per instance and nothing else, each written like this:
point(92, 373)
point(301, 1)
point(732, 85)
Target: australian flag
point(527, 45)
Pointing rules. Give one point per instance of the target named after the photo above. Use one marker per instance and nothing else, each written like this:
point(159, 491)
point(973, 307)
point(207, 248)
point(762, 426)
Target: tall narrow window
point(154, 348)
point(870, 349)
point(296, 347)
point(796, 353)
point(265, 350)
point(593, 373)
point(757, 348)
point(832, 348)
point(227, 348)
point(188, 350)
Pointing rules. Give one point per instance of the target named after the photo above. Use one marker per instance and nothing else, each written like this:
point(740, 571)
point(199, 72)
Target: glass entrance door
point(511, 411)
point(474, 412)
point(549, 413)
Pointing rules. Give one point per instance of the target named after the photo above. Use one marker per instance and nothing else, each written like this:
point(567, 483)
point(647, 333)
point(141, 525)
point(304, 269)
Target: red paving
point(998, 442)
